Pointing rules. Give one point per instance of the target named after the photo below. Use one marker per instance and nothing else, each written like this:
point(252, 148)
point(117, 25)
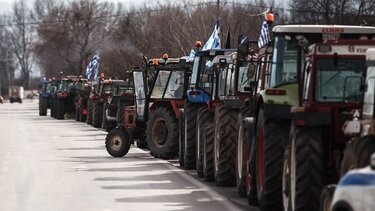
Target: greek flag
point(93, 68)
point(214, 41)
point(191, 56)
point(264, 37)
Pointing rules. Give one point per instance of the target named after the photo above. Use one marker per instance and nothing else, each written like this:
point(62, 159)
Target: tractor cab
point(202, 78)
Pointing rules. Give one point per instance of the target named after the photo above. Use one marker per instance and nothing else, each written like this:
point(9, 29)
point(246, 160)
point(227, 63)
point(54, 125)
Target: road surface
point(48, 164)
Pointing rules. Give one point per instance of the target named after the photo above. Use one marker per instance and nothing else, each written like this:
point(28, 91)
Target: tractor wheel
point(348, 160)
point(77, 114)
point(97, 114)
point(104, 117)
point(304, 176)
point(204, 117)
point(271, 136)
point(43, 104)
point(89, 112)
point(326, 197)
point(60, 108)
point(142, 143)
point(191, 111)
point(208, 152)
point(245, 136)
point(242, 149)
point(162, 133)
point(117, 142)
point(224, 146)
point(52, 103)
point(82, 117)
point(364, 148)
point(121, 113)
point(181, 138)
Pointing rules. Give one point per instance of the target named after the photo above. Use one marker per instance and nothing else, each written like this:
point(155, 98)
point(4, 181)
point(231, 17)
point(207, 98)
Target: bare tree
point(21, 36)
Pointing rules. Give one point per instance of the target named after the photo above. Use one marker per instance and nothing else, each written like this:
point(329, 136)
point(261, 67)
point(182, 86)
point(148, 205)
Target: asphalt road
point(52, 165)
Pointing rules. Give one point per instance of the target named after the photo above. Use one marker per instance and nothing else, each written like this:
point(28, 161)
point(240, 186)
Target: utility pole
point(217, 9)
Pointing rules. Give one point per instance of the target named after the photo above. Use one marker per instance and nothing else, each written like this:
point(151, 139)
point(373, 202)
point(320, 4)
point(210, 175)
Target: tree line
point(63, 36)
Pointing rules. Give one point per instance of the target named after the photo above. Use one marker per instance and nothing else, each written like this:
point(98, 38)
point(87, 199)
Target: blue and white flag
point(214, 41)
point(191, 56)
point(264, 37)
point(93, 68)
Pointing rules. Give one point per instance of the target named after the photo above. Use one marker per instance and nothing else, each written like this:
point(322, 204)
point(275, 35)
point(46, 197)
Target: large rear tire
point(181, 137)
point(52, 102)
point(242, 149)
point(364, 148)
point(271, 137)
point(224, 146)
point(117, 142)
point(43, 104)
point(89, 112)
point(97, 114)
point(162, 133)
point(306, 170)
point(208, 152)
point(204, 117)
point(191, 111)
point(60, 108)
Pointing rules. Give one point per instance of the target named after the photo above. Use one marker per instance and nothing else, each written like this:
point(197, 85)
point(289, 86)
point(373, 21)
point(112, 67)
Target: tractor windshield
point(339, 80)
point(107, 89)
point(243, 72)
point(205, 74)
point(140, 93)
point(368, 103)
point(284, 61)
point(64, 85)
point(168, 84)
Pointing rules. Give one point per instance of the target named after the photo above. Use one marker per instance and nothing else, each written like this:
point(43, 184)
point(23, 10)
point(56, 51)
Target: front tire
point(181, 138)
point(271, 136)
point(43, 104)
point(89, 112)
point(204, 117)
point(191, 111)
point(162, 133)
point(306, 165)
point(117, 142)
point(97, 114)
point(224, 146)
point(60, 108)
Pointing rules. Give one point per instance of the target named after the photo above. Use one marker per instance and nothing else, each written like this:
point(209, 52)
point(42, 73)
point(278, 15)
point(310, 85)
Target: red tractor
point(159, 89)
point(330, 87)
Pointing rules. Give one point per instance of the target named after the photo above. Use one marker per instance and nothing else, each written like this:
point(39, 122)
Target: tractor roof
point(370, 54)
point(324, 29)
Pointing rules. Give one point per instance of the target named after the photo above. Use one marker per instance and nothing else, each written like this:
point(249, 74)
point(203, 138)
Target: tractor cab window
point(206, 74)
point(284, 61)
point(63, 86)
point(225, 80)
point(140, 93)
point(368, 103)
point(247, 69)
point(125, 90)
point(160, 84)
point(339, 81)
point(175, 86)
point(48, 87)
point(194, 75)
point(107, 89)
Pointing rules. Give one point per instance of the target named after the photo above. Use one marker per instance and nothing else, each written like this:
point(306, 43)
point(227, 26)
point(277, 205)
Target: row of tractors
point(283, 123)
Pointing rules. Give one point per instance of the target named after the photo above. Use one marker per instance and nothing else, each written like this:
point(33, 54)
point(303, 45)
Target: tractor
point(358, 131)
point(201, 90)
point(330, 87)
point(83, 89)
point(159, 92)
point(267, 132)
point(101, 93)
point(122, 96)
point(45, 97)
point(64, 97)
